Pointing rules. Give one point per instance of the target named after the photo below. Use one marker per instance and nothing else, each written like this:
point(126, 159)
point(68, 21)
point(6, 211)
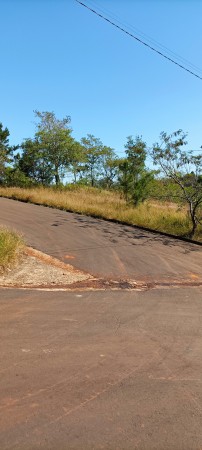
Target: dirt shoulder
point(38, 269)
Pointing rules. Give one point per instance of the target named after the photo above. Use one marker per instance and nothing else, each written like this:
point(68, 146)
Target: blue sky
point(57, 56)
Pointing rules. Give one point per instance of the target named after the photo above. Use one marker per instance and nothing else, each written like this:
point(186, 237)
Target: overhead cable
point(139, 40)
point(147, 38)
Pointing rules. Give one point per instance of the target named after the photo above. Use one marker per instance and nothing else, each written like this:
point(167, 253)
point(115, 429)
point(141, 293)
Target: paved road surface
point(102, 248)
point(101, 370)
point(112, 370)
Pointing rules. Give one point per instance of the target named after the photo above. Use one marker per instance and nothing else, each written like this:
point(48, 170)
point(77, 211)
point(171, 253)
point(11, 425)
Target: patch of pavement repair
point(40, 271)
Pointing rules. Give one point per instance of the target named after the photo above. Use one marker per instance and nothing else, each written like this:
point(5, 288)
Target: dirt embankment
point(39, 269)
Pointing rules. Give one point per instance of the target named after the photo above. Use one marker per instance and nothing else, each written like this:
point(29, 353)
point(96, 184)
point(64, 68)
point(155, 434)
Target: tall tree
point(109, 166)
point(184, 169)
point(77, 161)
point(34, 162)
point(134, 178)
point(93, 149)
point(124, 177)
point(54, 137)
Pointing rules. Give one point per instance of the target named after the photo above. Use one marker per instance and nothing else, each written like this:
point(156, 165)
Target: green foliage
point(93, 150)
point(165, 190)
point(15, 177)
point(109, 167)
point(54, 138)
point(77, 161)
point(184, 169)
point(45, 158)
point(5, 150)
point(34, 162)
point(134, 178)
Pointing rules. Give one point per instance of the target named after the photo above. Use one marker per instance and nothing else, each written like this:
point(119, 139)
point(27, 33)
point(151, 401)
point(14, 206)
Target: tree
point(5, 150)
point(124, 177)
point(93, 149)
point(77, 161)
point(54, 137)
point(15, 177)
point(34, 162)
point(184, 169)
point(109, 166)
point(134, 178)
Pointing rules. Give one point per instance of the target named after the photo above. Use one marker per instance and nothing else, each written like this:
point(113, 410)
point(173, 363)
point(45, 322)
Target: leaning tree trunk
point(194, 221)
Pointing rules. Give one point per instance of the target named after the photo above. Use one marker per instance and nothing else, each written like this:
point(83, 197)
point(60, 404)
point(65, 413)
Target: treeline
point(53, 154)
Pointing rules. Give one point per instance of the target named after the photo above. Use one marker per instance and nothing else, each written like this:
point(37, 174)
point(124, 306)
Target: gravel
point(38, 269)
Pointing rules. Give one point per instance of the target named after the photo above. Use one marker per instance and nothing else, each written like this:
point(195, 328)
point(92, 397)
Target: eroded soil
point(39, 269)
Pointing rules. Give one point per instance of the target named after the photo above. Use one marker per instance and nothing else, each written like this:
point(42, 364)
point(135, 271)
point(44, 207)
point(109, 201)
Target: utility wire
point(138, 39)
point(150, 40)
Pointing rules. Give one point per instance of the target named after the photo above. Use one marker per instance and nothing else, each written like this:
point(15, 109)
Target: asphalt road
point(101, 370)
point(113, 370)
point(102, 248)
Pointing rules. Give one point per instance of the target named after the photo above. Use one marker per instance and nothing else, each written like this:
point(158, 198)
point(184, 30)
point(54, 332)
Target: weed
point(11, 249)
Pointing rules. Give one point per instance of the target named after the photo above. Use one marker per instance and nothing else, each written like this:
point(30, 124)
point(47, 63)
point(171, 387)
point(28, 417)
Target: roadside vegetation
point(167, 196)
point(164, 216)
point(11, 249)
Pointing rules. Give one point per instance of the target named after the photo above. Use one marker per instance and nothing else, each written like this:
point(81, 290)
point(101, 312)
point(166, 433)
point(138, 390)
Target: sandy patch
point(39, 269)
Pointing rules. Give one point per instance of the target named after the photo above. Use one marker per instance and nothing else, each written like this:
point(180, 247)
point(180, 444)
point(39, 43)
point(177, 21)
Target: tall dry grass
point(167, 217)
point(11, 249)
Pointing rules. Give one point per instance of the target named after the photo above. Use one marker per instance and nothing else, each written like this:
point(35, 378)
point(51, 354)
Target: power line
point(138, 39)
point(151, 41)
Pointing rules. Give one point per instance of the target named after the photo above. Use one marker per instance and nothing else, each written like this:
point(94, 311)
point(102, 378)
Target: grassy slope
point(166, 217)
point(11, 249)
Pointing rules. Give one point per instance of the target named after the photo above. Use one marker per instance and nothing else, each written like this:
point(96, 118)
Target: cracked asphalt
point(102, 369)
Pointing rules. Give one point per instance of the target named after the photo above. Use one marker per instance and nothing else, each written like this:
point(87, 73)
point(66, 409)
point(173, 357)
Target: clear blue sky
point(57, 56)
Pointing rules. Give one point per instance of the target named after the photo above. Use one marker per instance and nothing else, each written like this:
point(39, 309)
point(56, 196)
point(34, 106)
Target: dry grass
point(11, 249)
point(166, 217)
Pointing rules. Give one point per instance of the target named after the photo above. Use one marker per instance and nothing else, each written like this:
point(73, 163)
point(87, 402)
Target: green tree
point(93, 150)
point(54, 137)
point(134, 178)
point(124, 177)
point(184, 169)
point(5, 150)
point(34, 162)
point(77, 161)
point(15, 177)
point(109, 167)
